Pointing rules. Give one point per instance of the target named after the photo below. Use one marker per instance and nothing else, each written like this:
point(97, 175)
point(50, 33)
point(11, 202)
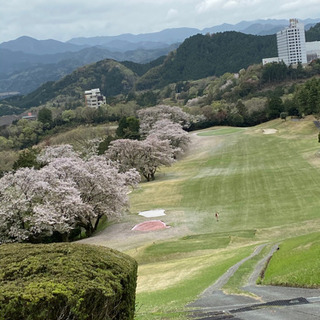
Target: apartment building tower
point(291, 44)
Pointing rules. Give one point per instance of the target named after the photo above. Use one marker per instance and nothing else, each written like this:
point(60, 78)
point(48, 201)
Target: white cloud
point(205, 5)
point(233, 4)
point(172, 13)
point(64, 19)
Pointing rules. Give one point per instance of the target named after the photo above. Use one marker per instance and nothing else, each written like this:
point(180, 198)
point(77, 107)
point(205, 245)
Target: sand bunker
point(152, 213)
point(269, 131)
point(150, 226)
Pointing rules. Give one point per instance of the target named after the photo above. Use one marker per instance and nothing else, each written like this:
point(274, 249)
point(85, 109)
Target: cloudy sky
point(66, 19)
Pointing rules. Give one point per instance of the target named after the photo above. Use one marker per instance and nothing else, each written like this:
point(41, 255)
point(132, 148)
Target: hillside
point(110, 76)
point(27, 63)
point(313, 34)
point(201, 56)
point(24, 72)
point(198, 57)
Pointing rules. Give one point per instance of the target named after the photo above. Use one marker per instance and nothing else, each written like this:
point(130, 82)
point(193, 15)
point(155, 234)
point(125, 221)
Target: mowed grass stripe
point(255, 181)
point(262, 185)
point(153, 298)
point(220, 131)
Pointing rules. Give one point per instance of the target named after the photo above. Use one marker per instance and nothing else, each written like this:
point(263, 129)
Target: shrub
point(66, 281)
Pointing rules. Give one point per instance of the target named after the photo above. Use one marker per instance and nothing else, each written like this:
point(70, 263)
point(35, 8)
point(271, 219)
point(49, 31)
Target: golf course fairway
point(264, 183)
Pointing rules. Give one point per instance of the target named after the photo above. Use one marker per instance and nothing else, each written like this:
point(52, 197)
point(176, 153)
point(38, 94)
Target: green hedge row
point(66, 281)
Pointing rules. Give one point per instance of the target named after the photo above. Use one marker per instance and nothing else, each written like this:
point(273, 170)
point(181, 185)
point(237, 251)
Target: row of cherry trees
point(164, 141)
point(67, 194)
point(69, 191)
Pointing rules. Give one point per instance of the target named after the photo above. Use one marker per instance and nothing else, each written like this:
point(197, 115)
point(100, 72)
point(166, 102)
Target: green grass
point(254, 183)
point(265, 188)
point(166, 250)
point(297, 263)
point(221, 131)
point(171, 249)
point(162, 304)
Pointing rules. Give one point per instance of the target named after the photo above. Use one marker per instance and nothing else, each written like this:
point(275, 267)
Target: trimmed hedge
point(66, 281)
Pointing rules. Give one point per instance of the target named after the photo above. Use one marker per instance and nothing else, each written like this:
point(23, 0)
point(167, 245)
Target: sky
point(65, 19)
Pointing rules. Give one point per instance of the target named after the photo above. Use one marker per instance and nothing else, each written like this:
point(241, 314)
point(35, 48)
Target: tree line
point(55, 193)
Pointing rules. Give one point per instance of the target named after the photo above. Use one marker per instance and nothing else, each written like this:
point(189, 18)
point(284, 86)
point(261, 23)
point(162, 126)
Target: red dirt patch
point(150, 226)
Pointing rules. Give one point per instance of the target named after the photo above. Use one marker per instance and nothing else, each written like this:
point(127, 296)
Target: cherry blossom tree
point(126, 152)
point(179, 139)
point(149, 116)
point(157, 153)
point(146, 156)
point(59, 151)
point(35, 203)
point(68, 193)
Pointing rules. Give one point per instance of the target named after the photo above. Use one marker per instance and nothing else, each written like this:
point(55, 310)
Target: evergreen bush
point(66, 281)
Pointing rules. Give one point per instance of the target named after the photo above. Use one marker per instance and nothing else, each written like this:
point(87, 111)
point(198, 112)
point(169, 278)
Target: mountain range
point(26, 63)
point(198, 57)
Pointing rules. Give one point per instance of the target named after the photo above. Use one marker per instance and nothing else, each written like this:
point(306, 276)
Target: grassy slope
point(265, 188)
point(77, 137)
point(297, 263)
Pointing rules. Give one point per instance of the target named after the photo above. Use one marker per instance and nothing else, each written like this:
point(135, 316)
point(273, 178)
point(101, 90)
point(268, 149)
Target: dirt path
point(275, 303)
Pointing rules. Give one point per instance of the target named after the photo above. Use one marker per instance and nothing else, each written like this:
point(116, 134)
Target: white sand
point(269, 131)
point(152, 213)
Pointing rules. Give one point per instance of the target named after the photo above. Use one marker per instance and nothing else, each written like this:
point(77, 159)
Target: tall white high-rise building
point(292, 44)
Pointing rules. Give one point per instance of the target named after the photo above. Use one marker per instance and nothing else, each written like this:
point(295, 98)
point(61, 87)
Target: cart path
point(231, 271)
point(275, 303)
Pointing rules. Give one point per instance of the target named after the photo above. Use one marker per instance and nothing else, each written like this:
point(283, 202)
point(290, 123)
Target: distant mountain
point(124, 46)
point(257, 27)
point(16, 61)
point(167, 36)
point(174, 35)
point(197, 57)
point(263, 29)
point(154, 40)
point(33, 70)
point(39, 47)
point(26, 63)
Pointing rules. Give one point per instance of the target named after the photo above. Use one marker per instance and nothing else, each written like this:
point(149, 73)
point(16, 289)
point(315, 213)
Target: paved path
point(273, 303)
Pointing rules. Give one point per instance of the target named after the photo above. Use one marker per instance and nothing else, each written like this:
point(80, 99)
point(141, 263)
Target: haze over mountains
point(26, 63)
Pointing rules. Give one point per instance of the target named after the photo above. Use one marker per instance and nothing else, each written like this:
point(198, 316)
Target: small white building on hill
point(94, 98)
